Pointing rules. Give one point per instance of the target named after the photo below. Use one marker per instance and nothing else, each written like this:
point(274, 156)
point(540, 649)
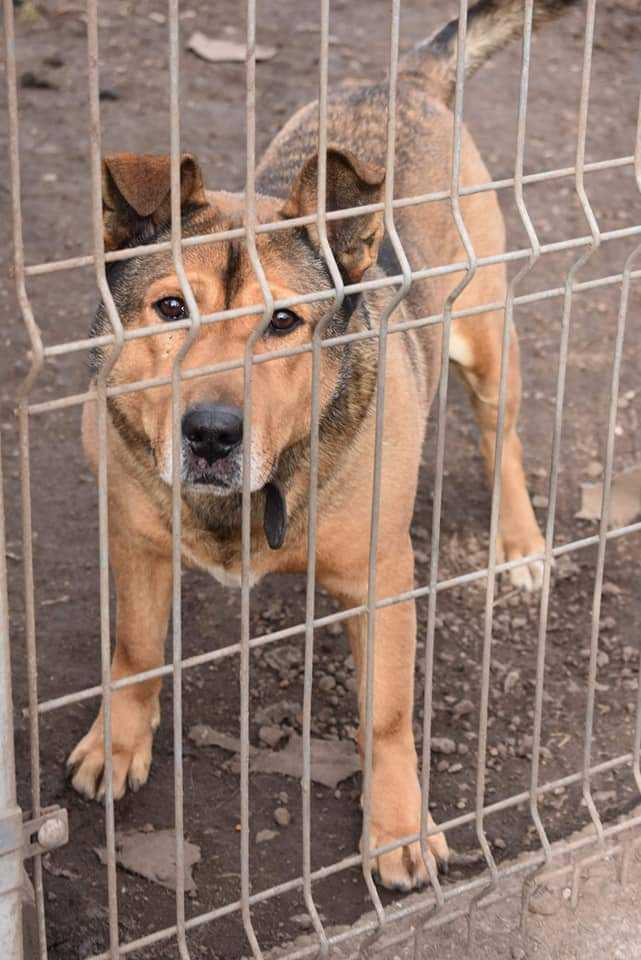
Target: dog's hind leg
point(143, 587)
point(475, 348)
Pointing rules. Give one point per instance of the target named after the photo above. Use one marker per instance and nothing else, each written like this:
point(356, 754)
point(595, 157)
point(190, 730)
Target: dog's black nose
point(213, 430)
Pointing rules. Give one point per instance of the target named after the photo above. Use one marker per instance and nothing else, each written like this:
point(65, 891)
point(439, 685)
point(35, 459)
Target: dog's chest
point(227, 574)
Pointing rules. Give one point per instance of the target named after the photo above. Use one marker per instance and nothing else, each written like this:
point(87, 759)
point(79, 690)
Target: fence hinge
point(44, 833)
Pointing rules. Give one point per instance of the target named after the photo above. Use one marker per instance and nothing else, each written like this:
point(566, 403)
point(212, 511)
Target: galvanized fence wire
point(176, 465)
point(102, 422)
point(37, 360)
point(372, 589)
point(10, 814)
point(314, 448)
point(430, 910)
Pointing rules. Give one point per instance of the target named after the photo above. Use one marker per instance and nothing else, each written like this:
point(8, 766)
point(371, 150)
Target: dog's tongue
point(275, 520)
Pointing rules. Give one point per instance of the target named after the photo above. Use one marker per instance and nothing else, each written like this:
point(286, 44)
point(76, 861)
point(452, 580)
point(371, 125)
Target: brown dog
point(146, 290)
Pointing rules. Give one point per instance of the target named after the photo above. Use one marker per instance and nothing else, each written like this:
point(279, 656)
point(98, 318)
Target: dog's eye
point(284, 321)
point(171, 308)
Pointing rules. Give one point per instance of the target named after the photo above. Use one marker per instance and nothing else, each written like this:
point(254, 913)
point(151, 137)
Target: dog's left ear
point(136, 192)
point(351, 182)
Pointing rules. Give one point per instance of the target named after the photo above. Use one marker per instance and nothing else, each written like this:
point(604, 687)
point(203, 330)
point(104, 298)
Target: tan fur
point(140, 423)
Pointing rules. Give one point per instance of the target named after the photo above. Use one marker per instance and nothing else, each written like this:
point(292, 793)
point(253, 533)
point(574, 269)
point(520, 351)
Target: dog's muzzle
point(212, 450)
point(212, 435)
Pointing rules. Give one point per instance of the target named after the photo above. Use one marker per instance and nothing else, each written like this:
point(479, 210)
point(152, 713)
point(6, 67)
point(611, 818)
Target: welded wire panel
point(441, 902)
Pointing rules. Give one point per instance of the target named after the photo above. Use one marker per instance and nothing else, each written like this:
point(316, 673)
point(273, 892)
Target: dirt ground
point(53, 107)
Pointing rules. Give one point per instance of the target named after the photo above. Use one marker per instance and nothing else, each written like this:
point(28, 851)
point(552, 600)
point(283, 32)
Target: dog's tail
point(491, 24)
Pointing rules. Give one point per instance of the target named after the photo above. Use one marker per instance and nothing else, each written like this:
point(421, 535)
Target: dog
point(147, 292)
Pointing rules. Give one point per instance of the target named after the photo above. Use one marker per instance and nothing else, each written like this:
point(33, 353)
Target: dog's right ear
point(351, 182)
point(136, 193)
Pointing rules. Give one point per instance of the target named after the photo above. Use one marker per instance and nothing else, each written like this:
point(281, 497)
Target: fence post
point(10, 814)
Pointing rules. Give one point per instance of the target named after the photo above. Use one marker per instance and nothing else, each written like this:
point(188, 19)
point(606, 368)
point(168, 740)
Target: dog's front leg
point(143, 588)
point(395, 791)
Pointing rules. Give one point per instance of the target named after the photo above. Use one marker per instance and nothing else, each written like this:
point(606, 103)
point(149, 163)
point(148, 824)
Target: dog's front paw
point(528, 576)
point(396, 813)
point(133, 725)
point(405, 868)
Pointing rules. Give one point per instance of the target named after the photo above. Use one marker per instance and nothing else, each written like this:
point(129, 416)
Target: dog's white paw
point(527, 576)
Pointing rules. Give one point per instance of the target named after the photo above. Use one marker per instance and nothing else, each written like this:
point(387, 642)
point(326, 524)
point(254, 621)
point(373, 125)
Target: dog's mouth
point(223, 475)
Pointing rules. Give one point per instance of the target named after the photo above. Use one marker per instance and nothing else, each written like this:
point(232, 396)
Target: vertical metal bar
point(535, 247)
point(400, 293)
point(10, 862)
point(101, 407)
point(553, 482)
point(497, 479)
point(245, 633)
point(596, 238)
point(176, 466)
point(496, 491)
point(625, 289)
point(314, 440)
point(37, 361)
point(437, 501)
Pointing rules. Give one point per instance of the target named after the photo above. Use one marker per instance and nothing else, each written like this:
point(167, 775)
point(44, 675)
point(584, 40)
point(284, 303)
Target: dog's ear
point(136, 192)
point(350, 183)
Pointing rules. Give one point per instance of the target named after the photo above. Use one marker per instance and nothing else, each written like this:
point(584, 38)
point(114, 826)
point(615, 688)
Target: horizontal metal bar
point(286, 633)
point(53, 266)
point(450, 892)
point(49, 406)
point(425, 273)
point(441, 919)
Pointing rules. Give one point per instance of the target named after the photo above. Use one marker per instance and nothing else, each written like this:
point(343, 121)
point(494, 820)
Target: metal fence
point(430, 910)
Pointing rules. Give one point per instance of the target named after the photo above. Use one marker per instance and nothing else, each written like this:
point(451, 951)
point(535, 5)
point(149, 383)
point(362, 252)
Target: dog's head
point(147, 292)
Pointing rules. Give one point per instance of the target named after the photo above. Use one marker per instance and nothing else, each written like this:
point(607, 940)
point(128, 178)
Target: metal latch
point(46, 832)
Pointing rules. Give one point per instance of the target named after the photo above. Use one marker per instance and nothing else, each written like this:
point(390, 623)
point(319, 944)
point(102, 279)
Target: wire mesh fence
point(333, 297)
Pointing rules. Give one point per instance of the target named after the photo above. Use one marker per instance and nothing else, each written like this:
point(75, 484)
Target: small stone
point(334, 630)
point(518, 953)
point(302, 920)
point(611, 589)
point(442, 745)
point(463, 749)
point(462, 708)
point(158, 17)
point(282, 816)
point(461, 804)
point(31, 81)
point(326, 683)
point(525, 745)
point(594, 469)
point(499, 843)
point(271, 735)
point(511, 680)
point(538, 500)
point(455, 768)
point(442, 766)
point(264, 835)
point(544, 903)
